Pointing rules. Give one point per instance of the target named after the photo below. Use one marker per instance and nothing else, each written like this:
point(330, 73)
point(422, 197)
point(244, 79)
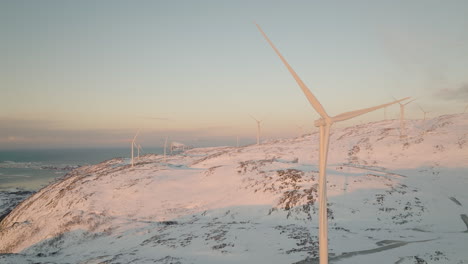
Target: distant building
point(177, 146)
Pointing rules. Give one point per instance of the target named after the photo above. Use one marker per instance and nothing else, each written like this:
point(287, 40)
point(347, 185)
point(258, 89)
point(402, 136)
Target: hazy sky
point(84, 73)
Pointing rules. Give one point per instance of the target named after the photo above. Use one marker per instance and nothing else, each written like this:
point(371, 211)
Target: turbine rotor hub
point(320, 122)
point(323, 122)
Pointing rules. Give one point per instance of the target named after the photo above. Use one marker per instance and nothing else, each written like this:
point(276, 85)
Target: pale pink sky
point(90, 73)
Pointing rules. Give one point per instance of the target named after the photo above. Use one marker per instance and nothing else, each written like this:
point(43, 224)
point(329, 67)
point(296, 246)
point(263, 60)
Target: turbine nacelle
point(402, 105)
point(323, 122)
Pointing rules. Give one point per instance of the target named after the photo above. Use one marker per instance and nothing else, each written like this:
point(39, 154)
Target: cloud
point(28, 123)
point(458, 94)
point(47, 133)
point(33, 133)
point(29, 133)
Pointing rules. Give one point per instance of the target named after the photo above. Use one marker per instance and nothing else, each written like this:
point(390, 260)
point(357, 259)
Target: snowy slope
point(392, 200)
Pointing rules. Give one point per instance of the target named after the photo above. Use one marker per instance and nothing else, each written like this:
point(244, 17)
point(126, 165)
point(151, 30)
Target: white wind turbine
point(133, 145)
point(258, 128)
point(165, 146)
point(402, 118)
point(138, 146)
point(324, 123)
point(425, 112)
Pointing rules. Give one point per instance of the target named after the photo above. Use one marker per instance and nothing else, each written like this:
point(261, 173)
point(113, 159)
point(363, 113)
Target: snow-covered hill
point(392, 200)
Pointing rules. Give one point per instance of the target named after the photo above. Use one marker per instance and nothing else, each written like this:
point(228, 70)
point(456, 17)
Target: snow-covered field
point(391, 200)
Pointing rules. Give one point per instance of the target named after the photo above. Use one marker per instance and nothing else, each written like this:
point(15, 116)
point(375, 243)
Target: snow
point(392, 200)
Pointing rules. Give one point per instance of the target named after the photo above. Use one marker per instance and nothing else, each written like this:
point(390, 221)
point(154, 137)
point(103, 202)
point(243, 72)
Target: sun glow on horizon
point(84, 74)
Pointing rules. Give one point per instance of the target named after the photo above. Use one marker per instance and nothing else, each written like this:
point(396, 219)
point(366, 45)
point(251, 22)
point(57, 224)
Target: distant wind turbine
point(425, 112)
point(258, 128)
point(324, 123)
point(138, 146)
point(165, 146)
point(466, 107)
point(133, 143)
point(402, 118)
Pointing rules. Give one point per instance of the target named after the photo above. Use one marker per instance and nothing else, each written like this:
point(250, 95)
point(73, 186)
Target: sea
point(24, 172)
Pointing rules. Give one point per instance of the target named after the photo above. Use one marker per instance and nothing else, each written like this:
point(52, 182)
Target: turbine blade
point(312, 99)
point(409, 102)
point(406, 98)
point(254, 118)
point(136, 135)
point(349, 115)
point(420, 108)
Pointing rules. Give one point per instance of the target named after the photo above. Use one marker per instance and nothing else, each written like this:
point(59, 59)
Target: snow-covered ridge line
point(257, 204)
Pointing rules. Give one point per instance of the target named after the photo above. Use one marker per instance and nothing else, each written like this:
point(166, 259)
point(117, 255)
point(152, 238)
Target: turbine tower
point(165, 146)
point(138, 146)
point(402, 118)
point(425, 112)
point(324, 124)
point(258, 128)
point(133, 143)
point(466, 107)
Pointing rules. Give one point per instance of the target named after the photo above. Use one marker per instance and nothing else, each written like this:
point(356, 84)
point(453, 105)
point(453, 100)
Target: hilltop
point(391, 200)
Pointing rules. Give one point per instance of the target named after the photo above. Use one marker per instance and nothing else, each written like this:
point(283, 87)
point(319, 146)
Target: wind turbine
point(425, 112)
point(165, 146)
point(258, 128)
point(466, 107)
point(402, 117)
point(133, 144)
point(138, 146)
point(324, 124)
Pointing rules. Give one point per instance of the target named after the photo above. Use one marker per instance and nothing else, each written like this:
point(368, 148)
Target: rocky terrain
point(9, 199)
point(391, 200)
